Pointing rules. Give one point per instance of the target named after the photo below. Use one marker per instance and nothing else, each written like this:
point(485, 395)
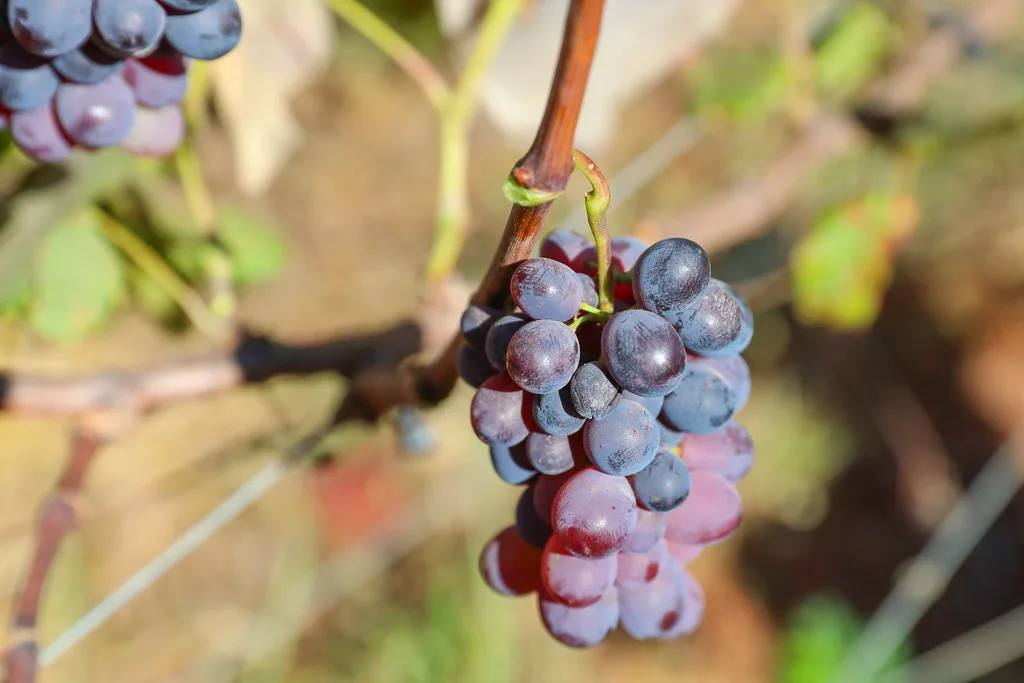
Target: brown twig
point(375, 363)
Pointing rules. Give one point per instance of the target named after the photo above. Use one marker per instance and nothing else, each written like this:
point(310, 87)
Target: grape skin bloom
point(542, 356)
point(546, 289)
point(643, 353)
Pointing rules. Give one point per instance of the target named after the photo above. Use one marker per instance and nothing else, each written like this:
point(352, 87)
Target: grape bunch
point(619, 425)
point(99, 73)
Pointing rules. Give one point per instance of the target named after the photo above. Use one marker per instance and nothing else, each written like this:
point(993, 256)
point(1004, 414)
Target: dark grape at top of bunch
point(620, 423)
point(100, 73)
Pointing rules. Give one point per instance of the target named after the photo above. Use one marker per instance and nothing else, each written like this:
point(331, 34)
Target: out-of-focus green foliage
point(740, 86)
point(257, 251)
point(852, 52)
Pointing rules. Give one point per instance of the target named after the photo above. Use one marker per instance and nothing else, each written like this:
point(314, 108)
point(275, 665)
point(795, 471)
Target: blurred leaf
point(258, 252)
point(742, 86)
point(78, 280)
point(852, 53)
point(840, 269)
point(284, 47)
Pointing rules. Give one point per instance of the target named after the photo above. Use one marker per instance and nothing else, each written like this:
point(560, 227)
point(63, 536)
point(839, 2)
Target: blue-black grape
point(157, 81)
point(651, 403)
point(735, 371)
point(670, 275)
point(729, 451)
point(643, 353)
point(574, 581)
point(594, 513)
point(473, 366)
point(594, 395)
point(129, 27)
point(510, 565)
point(26, 81)
point(542, 356)
point(710, 513)
point(590, 295)
point(663, 485)
point(534, 529)
point(511, 464)
point(545, 489)
point(96, 115)
point(717, 324)
point(702, 402)
point(476, 322)
point(546, 290)
point(549, 454)
point(156, 132)
point(580, 626)
point(555, 413)
point(624, 442)
point(670, 438)
point(563, 246)
point(50, 27)
point(497, 412)
point(87, 64)
point(37, 133)
point(498, 336)
point(210, 33)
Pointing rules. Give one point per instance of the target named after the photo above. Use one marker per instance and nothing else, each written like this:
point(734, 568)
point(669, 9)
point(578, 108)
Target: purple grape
point(210, 33)
point(187, 5)
point(594, 395)
point(670, 275)
point(37, 133)
point(155, 132)
point(473, 366)
point(590, 295)
point(683, 553)
point(650, 529)
point(655, 608)
point(26, 81)
point(97, 115)
point(157, 81)
point(625, 252)
point(476, 323)
point(702, 403)
point(555, 414)
point(534, 529)
point(50, 27)
point(497, 412)
point(87, 64)
point(511, 464)
point(544, 491)
point(580, 626)
point(594, 514)
point(670, 438)
point(642, 567)
point(574, 581)
point(717, 324)
point(624, 442)
point(693, 605)
point(498, 337)
point(129, 27)
point(542, 356)
point(549, 454)
point(643, 353)
point(735, 371)
point(546, 290)
point(710, 513)
point(663, 485)
point(509, 565)
point(651, 403)
point(729, 452)
point(563, 246)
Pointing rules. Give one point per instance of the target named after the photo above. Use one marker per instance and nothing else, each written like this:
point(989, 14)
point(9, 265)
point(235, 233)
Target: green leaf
point(525, 196)
point(257, 251)
point(78, 280)
point(743, 86)
point(853, 52)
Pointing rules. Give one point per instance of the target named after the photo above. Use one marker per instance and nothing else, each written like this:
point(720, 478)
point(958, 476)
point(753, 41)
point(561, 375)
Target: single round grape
point(683, 553)
point(663, 485)
point(555, 414)
point(670, 275)
point(594, 514)
point(580, 626)
point(652, 609)
point(26, 81)
point(497, 412)
point(643, 353)
point(574, 581)
point(642, 567)
point(542, 356)
point(498, 337)
point(717, 324)
point(729, 451)
point(87, 64)
point(210, 33)
point(624, 442)
point(473, 366)
point(476, 323)
point(651, 403)
point(50, 27)
point(129, 27)
point(710, 513)
point(511, 464)
point(590, 295)
point(510, 565)
point(37, 133)
point(693, 605)
point(155, 132)
point(594, 395)
point(670, 438)
point(625, 252)
point(549, 454)
point(563, 246)
point(650, 528)
point(187, 5)
point(546, 289)
point(157, 81)
point(96, 115)
point(702, 403)
point(545, 490)
point(735, 371)
point(534, 529)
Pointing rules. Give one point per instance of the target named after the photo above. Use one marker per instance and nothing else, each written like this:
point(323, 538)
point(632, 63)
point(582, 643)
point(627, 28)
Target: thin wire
point(928, 574)
point(967, 657)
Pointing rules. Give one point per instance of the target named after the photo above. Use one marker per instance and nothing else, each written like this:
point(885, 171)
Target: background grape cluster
point(99, 73)
point(620, 427)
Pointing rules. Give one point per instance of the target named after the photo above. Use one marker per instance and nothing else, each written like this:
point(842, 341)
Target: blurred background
point(855, 168)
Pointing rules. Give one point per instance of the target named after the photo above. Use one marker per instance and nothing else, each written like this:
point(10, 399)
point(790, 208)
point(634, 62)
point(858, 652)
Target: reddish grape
point(642, 567)
point(693, 605)
point(652, 609)
point(572, 580)
point(729, 451)
point(155, 132)
point(37, 133)
point(594, 514)
point(650, 528)
point(157, 81)
point(535, 529)
point(545, 490)
point(580, 626)
point(563, 246)
point(683, 553)
point(509, 565)
point(497, 412)
point(710, 514)
point(96, 115)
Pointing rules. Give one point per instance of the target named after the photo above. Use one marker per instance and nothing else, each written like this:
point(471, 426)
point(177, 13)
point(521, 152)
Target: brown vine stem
point(375, 363)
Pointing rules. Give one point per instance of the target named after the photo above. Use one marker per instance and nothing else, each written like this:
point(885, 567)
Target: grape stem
point(597, 202)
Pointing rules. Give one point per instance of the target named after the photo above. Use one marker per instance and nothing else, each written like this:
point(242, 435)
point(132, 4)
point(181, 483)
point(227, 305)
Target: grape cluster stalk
point(100, 73)
point(617, 418)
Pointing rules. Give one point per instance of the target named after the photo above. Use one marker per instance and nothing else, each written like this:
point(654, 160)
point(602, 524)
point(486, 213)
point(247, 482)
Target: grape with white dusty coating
point(542, 356)
point(663, 485)
point(643, 353)
point(702, 402)
point(670, 275)
point(717, 324)
point(710, 513)
point(510, 565)
point(549, 454)
point(546, 290)
point(594, 395)
point(574, 581)
point(555, 413)
point(563, 245)
point(624, 442)
point(650, 529)
point(580, 627)
point(496, 412)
